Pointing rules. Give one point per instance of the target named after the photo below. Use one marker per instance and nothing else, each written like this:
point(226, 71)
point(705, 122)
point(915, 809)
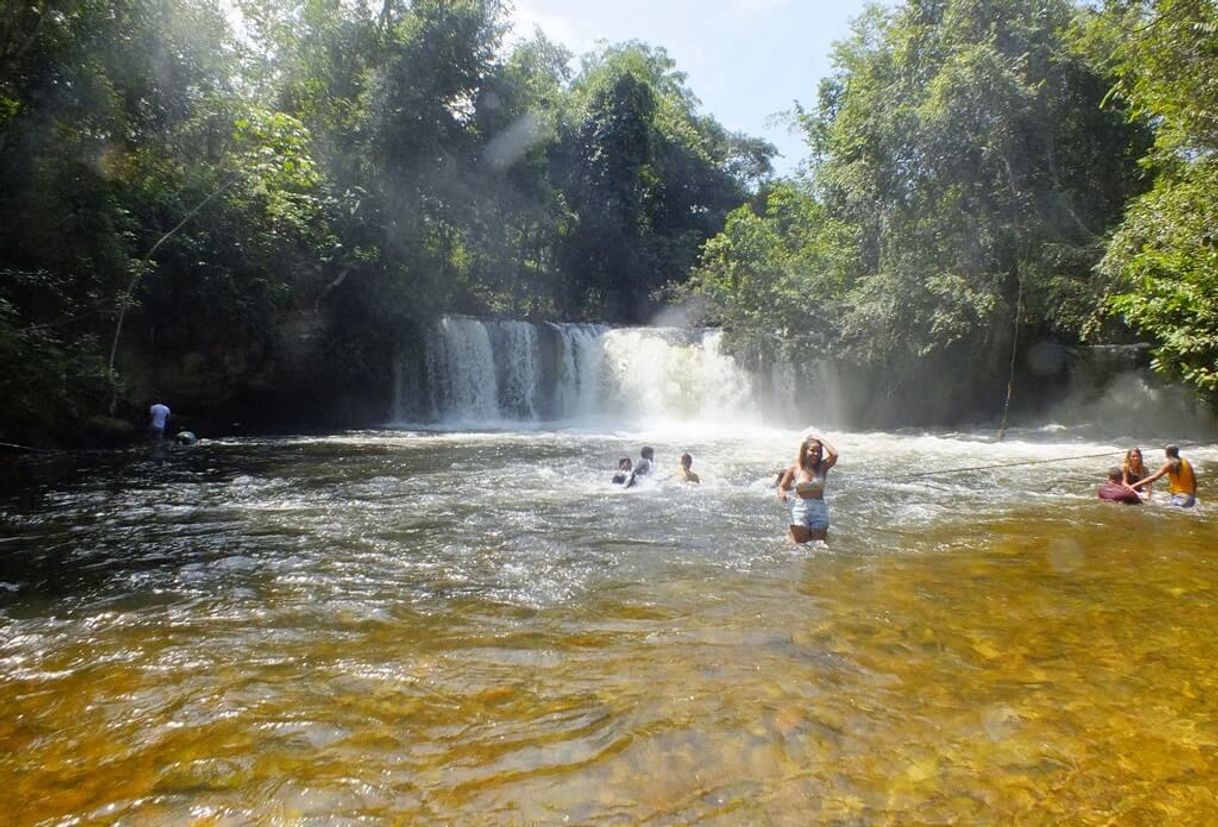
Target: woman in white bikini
point(809, 514)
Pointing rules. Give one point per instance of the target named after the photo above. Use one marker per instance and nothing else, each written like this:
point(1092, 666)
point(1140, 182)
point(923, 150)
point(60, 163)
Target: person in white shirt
point(159, 418)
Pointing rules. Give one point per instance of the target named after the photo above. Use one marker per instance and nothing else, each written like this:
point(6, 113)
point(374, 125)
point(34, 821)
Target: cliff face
point(285, 379)
point(307, 373)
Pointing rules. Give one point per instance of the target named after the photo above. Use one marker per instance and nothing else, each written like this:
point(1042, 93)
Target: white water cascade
point(461, 369)
point(477, 371)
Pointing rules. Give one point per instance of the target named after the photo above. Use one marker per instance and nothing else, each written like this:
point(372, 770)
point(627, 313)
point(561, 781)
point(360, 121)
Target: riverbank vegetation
point(252, 219)
point(991, 180)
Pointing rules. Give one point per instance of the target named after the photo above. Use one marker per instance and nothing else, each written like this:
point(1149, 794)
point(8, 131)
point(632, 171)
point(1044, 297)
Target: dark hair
point(1172, 451)
point(648, 452)
point(686, 458)
point(1114, 473)
point(624, 461)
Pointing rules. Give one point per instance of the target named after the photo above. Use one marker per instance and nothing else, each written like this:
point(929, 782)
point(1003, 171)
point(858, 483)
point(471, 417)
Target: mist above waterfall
point(473, 372)
point(1132, 405)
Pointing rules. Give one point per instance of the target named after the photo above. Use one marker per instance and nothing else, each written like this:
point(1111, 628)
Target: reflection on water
point(478, 627)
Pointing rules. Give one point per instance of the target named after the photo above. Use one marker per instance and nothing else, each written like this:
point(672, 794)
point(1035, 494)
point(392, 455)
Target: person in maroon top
point(1116, 491)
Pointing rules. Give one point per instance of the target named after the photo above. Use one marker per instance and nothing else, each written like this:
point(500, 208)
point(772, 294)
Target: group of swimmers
point(1130, 481)
point(629, 473)
point(805, 478)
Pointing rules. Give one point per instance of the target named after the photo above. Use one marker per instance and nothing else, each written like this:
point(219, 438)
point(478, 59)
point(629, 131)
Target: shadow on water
point(151, 522)
point(74, 522)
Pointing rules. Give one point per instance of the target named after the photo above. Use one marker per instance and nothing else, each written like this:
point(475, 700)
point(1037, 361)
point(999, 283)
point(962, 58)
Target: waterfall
point(518, 375)
point(578, 377)
point(464, 371)
point(672, 374)
point(461, 369)
point(493, 371)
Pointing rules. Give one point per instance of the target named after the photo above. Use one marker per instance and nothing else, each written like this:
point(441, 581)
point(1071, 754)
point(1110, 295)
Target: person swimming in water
point(1133, 469)
point(1116, 490)
point(686, 472)
point(809, 514)
point(624, 466)
point(643, 467)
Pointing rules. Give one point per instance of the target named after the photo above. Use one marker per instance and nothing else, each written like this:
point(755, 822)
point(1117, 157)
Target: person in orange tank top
point(1181, 479)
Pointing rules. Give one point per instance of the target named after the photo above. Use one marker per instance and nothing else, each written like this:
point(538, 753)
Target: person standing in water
point(1181, 479)
point(809, 514)
point(688, 475)
point(158, 416)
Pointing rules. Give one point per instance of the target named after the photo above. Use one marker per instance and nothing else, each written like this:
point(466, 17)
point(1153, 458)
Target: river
point(475, 626)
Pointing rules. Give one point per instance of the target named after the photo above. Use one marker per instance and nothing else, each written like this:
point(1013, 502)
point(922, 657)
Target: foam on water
point(478, 625)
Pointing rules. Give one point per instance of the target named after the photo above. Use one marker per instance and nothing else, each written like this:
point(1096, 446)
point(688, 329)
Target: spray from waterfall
point(492, 372)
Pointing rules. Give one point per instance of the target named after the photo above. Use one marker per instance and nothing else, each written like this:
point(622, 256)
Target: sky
point(746, 60)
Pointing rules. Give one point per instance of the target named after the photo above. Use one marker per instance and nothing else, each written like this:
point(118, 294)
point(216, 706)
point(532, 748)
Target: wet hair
point(624, 462)
point(1114, 473)
point(686, 459)
point(1172, 451)
point(648, 452)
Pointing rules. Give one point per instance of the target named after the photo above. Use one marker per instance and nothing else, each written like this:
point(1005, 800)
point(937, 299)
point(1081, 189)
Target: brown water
point(477, 628)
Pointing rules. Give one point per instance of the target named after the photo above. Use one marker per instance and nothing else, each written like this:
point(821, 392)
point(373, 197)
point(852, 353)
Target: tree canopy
point(270, 212)
point(1163, 260)
point(200, 197)
point(987, 172)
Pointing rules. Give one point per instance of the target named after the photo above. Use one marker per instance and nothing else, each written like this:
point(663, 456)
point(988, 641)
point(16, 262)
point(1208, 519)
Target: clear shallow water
point(477, 627)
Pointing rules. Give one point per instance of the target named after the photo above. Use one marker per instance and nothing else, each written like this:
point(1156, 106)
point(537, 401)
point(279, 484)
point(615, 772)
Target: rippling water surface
point(478, 627)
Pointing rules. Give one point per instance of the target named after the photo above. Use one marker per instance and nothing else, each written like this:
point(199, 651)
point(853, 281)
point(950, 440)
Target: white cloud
point(748, 7)
point(566, 28)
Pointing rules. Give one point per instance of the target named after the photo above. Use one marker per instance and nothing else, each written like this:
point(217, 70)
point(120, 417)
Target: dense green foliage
point(966, 181)
point(239, 218)
point(1164, 258)
point(187, 209)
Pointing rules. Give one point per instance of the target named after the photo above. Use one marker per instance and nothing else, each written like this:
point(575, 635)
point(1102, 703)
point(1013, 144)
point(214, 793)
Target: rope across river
point(999, 465)
point(921, 474)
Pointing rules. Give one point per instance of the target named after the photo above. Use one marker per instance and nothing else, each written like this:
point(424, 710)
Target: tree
point(963, 137)
point(649, 179)
point(775, 277)
point(1163, 259)
point(179, 201)
point(614, 151)
point(84, 85)
point(962, 144)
